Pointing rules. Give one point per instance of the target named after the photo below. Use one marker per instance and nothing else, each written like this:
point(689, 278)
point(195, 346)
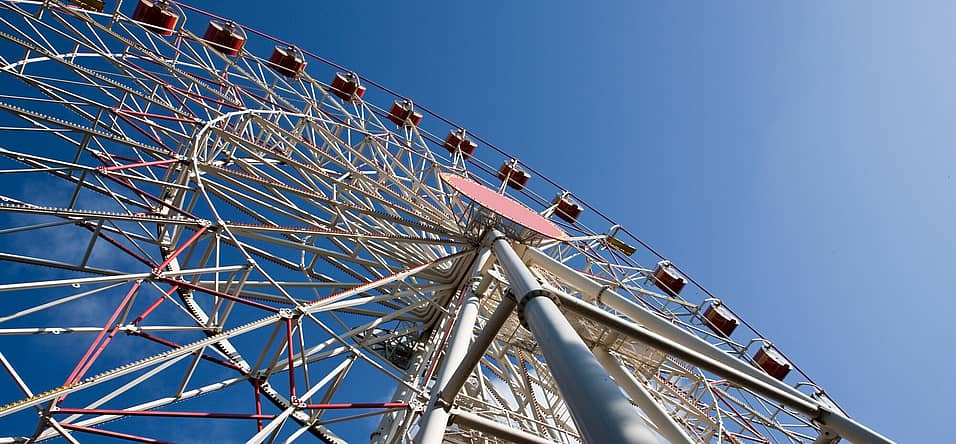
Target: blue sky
point(794, 158)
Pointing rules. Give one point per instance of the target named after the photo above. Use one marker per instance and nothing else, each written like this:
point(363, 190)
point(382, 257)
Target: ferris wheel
point(211, 234)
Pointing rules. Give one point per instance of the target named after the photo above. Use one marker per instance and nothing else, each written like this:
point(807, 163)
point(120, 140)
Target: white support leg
point(436, 417)
point(666, 426)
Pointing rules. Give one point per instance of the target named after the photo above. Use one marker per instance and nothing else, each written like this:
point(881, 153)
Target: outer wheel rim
point(620, 272)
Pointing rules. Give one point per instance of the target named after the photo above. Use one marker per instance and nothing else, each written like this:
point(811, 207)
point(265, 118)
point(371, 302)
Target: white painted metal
point(664, 423)
point(603, 294)
point(435, 419)
point(203, 213)
point(600, 410)
point(495, 429)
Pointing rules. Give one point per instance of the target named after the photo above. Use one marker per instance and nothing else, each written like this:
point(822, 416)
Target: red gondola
point(403, 113)
point(566, 209)
point(772, 362)
point(225, 37)
point(667, 279)
point(720, 320)
point(160, 16)
point(517, 178)
point(347, 87)
point(288, 61)
point(457, 141)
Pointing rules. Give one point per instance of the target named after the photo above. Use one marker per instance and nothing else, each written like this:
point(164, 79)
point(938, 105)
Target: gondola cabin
point(288, 61)
point(346, 87)
point(403, 114)
point(516, 177)
point(159, 16)
point(621, 246)
point(458, 142)
point(719, 319)
point(772, 362)
point(89, 5)
point(667, 279)
point(225, 37)
point(566, 209)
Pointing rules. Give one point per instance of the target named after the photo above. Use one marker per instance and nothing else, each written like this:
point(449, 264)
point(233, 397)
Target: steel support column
point(476, 351)
point(666, 426)
point(849, 429)
point(845, 427)
point(432, 429)
point(590, 289)
point(742, 372)
point(600, 410)
point(495, 429)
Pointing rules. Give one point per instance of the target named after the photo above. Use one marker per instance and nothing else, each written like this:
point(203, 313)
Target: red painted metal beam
point(154, 137)
point(183, 247)
point(93, 352)
point(122, 247)
point(154, 305)
point(156, 116)
point(113, 434)
point(258, 392)
point(743, 420)
point(140, 164)
point(358, 405)
point(172, 344)
point(163, 414)
point(219, 293)
point(126, 183)
point(201, 99)
point(291, 353)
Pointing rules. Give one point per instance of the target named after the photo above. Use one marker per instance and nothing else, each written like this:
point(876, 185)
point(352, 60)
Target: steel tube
point(591, 289)
point(602, 413)
point(600, 410)
point(699, 347)
point(520, 279)
point(666, 426)
point(851, 430)
point(476, 351)
point(358, 405)
point(842, 425)
point(115, 412)
point(110, 434)
point(495, 429)
point(433, 423)
point(652, 339)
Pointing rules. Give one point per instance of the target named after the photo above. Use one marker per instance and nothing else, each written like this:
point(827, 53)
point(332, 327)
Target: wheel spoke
point(225, 238)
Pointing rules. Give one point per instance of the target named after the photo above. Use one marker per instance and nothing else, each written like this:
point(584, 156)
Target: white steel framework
point(193, 239)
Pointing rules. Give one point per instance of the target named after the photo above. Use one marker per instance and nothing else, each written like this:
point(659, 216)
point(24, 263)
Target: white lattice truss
point(183, 227)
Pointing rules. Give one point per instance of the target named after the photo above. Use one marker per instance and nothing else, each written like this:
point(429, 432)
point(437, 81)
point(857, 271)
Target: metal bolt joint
point(287, 313)
point(442, 404)
point(493, 237)
point(531, 295)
